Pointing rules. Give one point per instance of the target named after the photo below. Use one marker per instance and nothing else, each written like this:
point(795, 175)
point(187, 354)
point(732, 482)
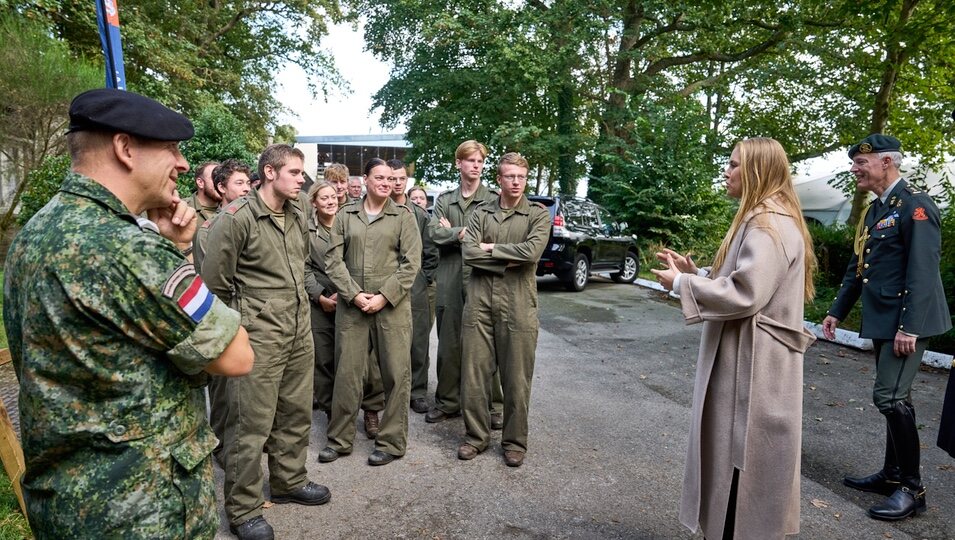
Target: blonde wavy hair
point(765, 174)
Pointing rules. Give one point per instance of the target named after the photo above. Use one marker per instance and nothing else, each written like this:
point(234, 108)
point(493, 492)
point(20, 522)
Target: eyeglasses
point(513, 177)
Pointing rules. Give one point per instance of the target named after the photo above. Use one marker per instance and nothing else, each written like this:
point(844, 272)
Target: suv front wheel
point(631, 267)
point(579, 274)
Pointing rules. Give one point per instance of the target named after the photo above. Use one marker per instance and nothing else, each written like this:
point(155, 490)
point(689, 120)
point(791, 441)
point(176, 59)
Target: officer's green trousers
point(894, 375)
point(447, 395)
point(421, 322)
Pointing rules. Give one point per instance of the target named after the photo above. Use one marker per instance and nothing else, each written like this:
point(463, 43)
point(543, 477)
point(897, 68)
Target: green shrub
point(43, 183)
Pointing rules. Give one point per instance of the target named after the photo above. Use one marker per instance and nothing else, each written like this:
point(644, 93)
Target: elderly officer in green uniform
point(111, 333)
point(373, 256)
point(896, 274)
point(420, 304)
point(259, 266)
point(505, 239)
point(452, 210)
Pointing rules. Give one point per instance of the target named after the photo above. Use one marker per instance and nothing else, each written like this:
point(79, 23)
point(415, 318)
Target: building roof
point(387, 140)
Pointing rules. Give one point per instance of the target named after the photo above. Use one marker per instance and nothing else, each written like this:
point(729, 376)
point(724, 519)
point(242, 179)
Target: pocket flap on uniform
point(196, 447)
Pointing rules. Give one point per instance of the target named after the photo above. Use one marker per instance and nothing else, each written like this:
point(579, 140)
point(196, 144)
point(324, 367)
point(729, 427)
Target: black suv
point(583, 239)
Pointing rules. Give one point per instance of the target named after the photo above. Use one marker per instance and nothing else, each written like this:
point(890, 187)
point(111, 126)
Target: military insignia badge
point(865, 148)
point(886, 223)
point(178, 275)
point(919, 214)
point(196, 300)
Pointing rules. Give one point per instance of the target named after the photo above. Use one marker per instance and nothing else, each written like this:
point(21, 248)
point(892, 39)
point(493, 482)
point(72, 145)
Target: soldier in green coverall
point(896, 274)
point(373, 257)
point(111, 333)
point(505, 239)
point(420, 306)
point(258, 264)
point(206, 200)
point(448, 226)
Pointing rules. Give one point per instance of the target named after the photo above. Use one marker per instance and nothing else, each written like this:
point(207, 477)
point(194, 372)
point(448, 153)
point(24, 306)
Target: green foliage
point(13, 524)
point(43, 183)
point(662, 180)
point(284, 134)
point(503, 74)
point(38, 78)
point(189, 52)
point(220, 135)
point(833, 247)
point(946, 342)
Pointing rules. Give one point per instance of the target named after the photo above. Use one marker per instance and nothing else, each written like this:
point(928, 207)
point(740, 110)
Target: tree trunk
point(895, 58)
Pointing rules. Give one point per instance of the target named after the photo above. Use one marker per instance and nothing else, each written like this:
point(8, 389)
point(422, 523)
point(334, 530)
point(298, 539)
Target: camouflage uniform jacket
point(108, 325)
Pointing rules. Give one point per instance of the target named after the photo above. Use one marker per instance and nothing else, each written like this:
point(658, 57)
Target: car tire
point(579, 274)
point(630, 270)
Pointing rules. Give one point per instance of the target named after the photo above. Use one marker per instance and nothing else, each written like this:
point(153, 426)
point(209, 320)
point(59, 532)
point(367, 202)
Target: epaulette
point(143, 223)
point(912, 189)
point(445, 192)
point(207, 223)
point(538, 204)
point(235, 205)
point(410, 211)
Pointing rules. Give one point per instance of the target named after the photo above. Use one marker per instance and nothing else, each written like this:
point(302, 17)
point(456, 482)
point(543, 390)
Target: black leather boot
point(884, 482)
point(909, 498)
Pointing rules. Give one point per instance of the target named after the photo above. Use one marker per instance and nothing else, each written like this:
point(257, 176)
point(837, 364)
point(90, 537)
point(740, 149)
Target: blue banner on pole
point(107, 17)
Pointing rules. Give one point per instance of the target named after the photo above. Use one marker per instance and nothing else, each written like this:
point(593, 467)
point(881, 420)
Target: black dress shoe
point(311, 494)
point(497, 422)
point(880, 482)
point(903, 503)
point(328, 455)
point(437, 415)
point(254, 529)
point(419, 405)
point(381, 458)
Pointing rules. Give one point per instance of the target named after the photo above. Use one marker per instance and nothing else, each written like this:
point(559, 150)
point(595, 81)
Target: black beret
point(876, 142)
point(119, 111)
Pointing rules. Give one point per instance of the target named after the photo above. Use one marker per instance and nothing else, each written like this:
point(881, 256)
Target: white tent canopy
point(828, 205)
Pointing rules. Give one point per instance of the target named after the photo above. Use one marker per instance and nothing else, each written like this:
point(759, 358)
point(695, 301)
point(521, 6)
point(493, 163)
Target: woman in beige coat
point(742, 468)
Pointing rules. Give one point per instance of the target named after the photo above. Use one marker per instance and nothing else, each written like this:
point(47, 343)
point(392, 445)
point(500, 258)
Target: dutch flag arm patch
point(196, 300)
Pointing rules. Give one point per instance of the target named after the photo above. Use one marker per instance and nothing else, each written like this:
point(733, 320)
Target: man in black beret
point(896, 274)
point(112, 332)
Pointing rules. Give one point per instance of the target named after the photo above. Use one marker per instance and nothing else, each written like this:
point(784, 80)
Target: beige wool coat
point(747, 400)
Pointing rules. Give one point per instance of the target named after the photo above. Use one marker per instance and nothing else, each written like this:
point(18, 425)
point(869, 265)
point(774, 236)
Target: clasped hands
point(370, 303)
point(674, 264)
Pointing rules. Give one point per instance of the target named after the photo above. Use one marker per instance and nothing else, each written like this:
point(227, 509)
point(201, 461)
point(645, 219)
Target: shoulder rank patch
point(147, 225)
point(196, 300)
point(141, 222)
point(182, 272)
point(919, 214)
point(206, 224)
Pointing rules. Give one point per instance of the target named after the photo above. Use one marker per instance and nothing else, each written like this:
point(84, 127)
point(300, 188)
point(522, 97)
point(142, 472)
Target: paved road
point(609, 416)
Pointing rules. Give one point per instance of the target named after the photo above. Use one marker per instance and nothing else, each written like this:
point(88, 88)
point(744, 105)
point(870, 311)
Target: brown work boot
point(467, 452)
point(371, 424)
point(513, 458)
